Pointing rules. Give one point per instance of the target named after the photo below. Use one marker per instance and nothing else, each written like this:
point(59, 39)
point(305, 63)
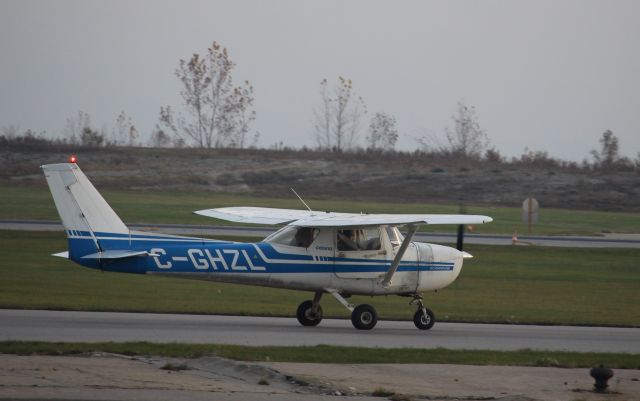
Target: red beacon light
point(73, 159)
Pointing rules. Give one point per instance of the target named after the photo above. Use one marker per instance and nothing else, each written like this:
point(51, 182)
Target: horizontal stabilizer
point(466, 255)
point(64, 254)
point(116, 254)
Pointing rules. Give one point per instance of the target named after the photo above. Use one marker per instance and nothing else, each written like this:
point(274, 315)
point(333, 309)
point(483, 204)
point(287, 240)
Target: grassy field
point(176, 207)
point(333, 354)
point(502, 284)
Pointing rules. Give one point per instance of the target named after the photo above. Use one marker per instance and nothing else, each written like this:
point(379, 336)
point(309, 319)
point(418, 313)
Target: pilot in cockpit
point(347, 240)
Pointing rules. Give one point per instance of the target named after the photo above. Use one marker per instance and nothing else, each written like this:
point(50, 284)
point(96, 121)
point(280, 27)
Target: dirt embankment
point(118, 377)
point(375, 177)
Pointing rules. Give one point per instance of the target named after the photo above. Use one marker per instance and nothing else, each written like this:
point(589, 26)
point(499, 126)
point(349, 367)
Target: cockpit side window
point(301, 237)
point(362, 239)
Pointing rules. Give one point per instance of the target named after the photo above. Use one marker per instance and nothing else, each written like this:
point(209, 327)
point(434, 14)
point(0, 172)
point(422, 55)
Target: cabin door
point(360, 253)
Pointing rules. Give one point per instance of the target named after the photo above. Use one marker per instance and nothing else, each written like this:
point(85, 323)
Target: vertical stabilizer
point(79, 204)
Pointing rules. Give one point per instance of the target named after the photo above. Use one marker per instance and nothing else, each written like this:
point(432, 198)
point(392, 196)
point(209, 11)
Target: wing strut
point(339, 297)
point(386, 281)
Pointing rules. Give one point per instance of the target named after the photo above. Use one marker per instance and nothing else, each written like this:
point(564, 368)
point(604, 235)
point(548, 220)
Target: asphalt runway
point(68, 326)
point(606, 241)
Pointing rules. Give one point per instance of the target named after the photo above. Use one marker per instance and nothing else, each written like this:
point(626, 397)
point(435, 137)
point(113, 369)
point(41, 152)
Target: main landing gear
point(364, 316)
point(310, 312)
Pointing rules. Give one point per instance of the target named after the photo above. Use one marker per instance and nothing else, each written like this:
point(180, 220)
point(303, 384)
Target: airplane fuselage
point(424, 267)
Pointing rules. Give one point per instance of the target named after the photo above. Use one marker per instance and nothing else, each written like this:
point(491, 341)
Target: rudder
point(79, 204)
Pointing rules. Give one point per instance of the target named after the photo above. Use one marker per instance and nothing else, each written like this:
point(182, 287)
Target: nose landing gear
point(423, 318)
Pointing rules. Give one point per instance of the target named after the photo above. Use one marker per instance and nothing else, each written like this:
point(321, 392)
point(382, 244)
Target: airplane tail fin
point(82, 209)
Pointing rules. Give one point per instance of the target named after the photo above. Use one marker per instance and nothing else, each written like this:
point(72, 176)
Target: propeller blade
point(460, 242)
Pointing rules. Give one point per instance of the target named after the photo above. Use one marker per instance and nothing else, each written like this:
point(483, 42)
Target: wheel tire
point(424, 322)
point(364, 317)
point(304, 315)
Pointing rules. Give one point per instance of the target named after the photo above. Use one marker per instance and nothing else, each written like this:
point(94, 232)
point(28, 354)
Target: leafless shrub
point(337, 118)
point(383, 133)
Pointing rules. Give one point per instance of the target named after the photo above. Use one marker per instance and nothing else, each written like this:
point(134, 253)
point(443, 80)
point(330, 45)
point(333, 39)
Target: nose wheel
point(424, 318)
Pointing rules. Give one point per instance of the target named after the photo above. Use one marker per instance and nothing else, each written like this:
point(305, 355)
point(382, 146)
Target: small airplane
point(340, 254)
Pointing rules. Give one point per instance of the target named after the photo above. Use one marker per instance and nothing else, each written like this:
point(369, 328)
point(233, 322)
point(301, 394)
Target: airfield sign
point(530, 209)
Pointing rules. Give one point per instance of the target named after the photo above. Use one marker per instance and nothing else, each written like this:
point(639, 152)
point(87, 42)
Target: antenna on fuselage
point(301, 200)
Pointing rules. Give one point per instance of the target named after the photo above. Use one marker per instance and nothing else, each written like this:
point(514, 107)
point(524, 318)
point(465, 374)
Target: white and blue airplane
point(341, 254)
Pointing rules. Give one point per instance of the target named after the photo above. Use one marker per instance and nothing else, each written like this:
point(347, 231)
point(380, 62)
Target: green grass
point(333, 354)
point(501, 284)
point(178, 207)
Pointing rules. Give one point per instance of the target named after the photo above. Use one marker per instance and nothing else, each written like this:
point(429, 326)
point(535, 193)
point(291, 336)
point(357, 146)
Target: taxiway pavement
point(71, 326)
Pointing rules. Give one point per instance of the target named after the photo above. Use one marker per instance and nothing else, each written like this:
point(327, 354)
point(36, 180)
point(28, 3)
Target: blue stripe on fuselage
point(185, 254)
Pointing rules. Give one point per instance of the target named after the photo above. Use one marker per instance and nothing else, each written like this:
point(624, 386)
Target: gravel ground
point(117, 377)
point(372, 177)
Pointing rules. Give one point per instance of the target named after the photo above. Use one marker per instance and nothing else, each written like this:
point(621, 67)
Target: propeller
point(460, 241)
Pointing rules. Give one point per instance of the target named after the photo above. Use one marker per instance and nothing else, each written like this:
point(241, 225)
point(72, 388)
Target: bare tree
point(75, 127)
point(217, 113)
point(608, 155)
point(125, 132)
point(383, 133)
point(337, 118)
point(466, 139)
point(323, 117)
point(238, 115)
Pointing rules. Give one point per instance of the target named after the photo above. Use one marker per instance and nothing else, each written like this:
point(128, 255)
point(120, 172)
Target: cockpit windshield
point(301, 237)
point(395, 236)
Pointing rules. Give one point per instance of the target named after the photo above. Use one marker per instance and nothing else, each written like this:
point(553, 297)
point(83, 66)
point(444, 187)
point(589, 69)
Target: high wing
point(256, 215)
point(306, 218)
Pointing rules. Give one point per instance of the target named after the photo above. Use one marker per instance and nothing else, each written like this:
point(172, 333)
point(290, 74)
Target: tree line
point(217, 113)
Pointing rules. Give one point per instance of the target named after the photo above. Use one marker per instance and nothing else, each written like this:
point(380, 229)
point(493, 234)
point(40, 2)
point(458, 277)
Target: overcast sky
point(547, 75)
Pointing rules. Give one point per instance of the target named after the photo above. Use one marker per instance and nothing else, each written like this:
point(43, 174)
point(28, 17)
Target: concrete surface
point(70, 326)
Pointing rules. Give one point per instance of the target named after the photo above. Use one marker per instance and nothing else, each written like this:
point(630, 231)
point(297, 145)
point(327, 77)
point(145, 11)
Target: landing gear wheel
point(305, 314)
point(364, 317)
point(422, 321)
